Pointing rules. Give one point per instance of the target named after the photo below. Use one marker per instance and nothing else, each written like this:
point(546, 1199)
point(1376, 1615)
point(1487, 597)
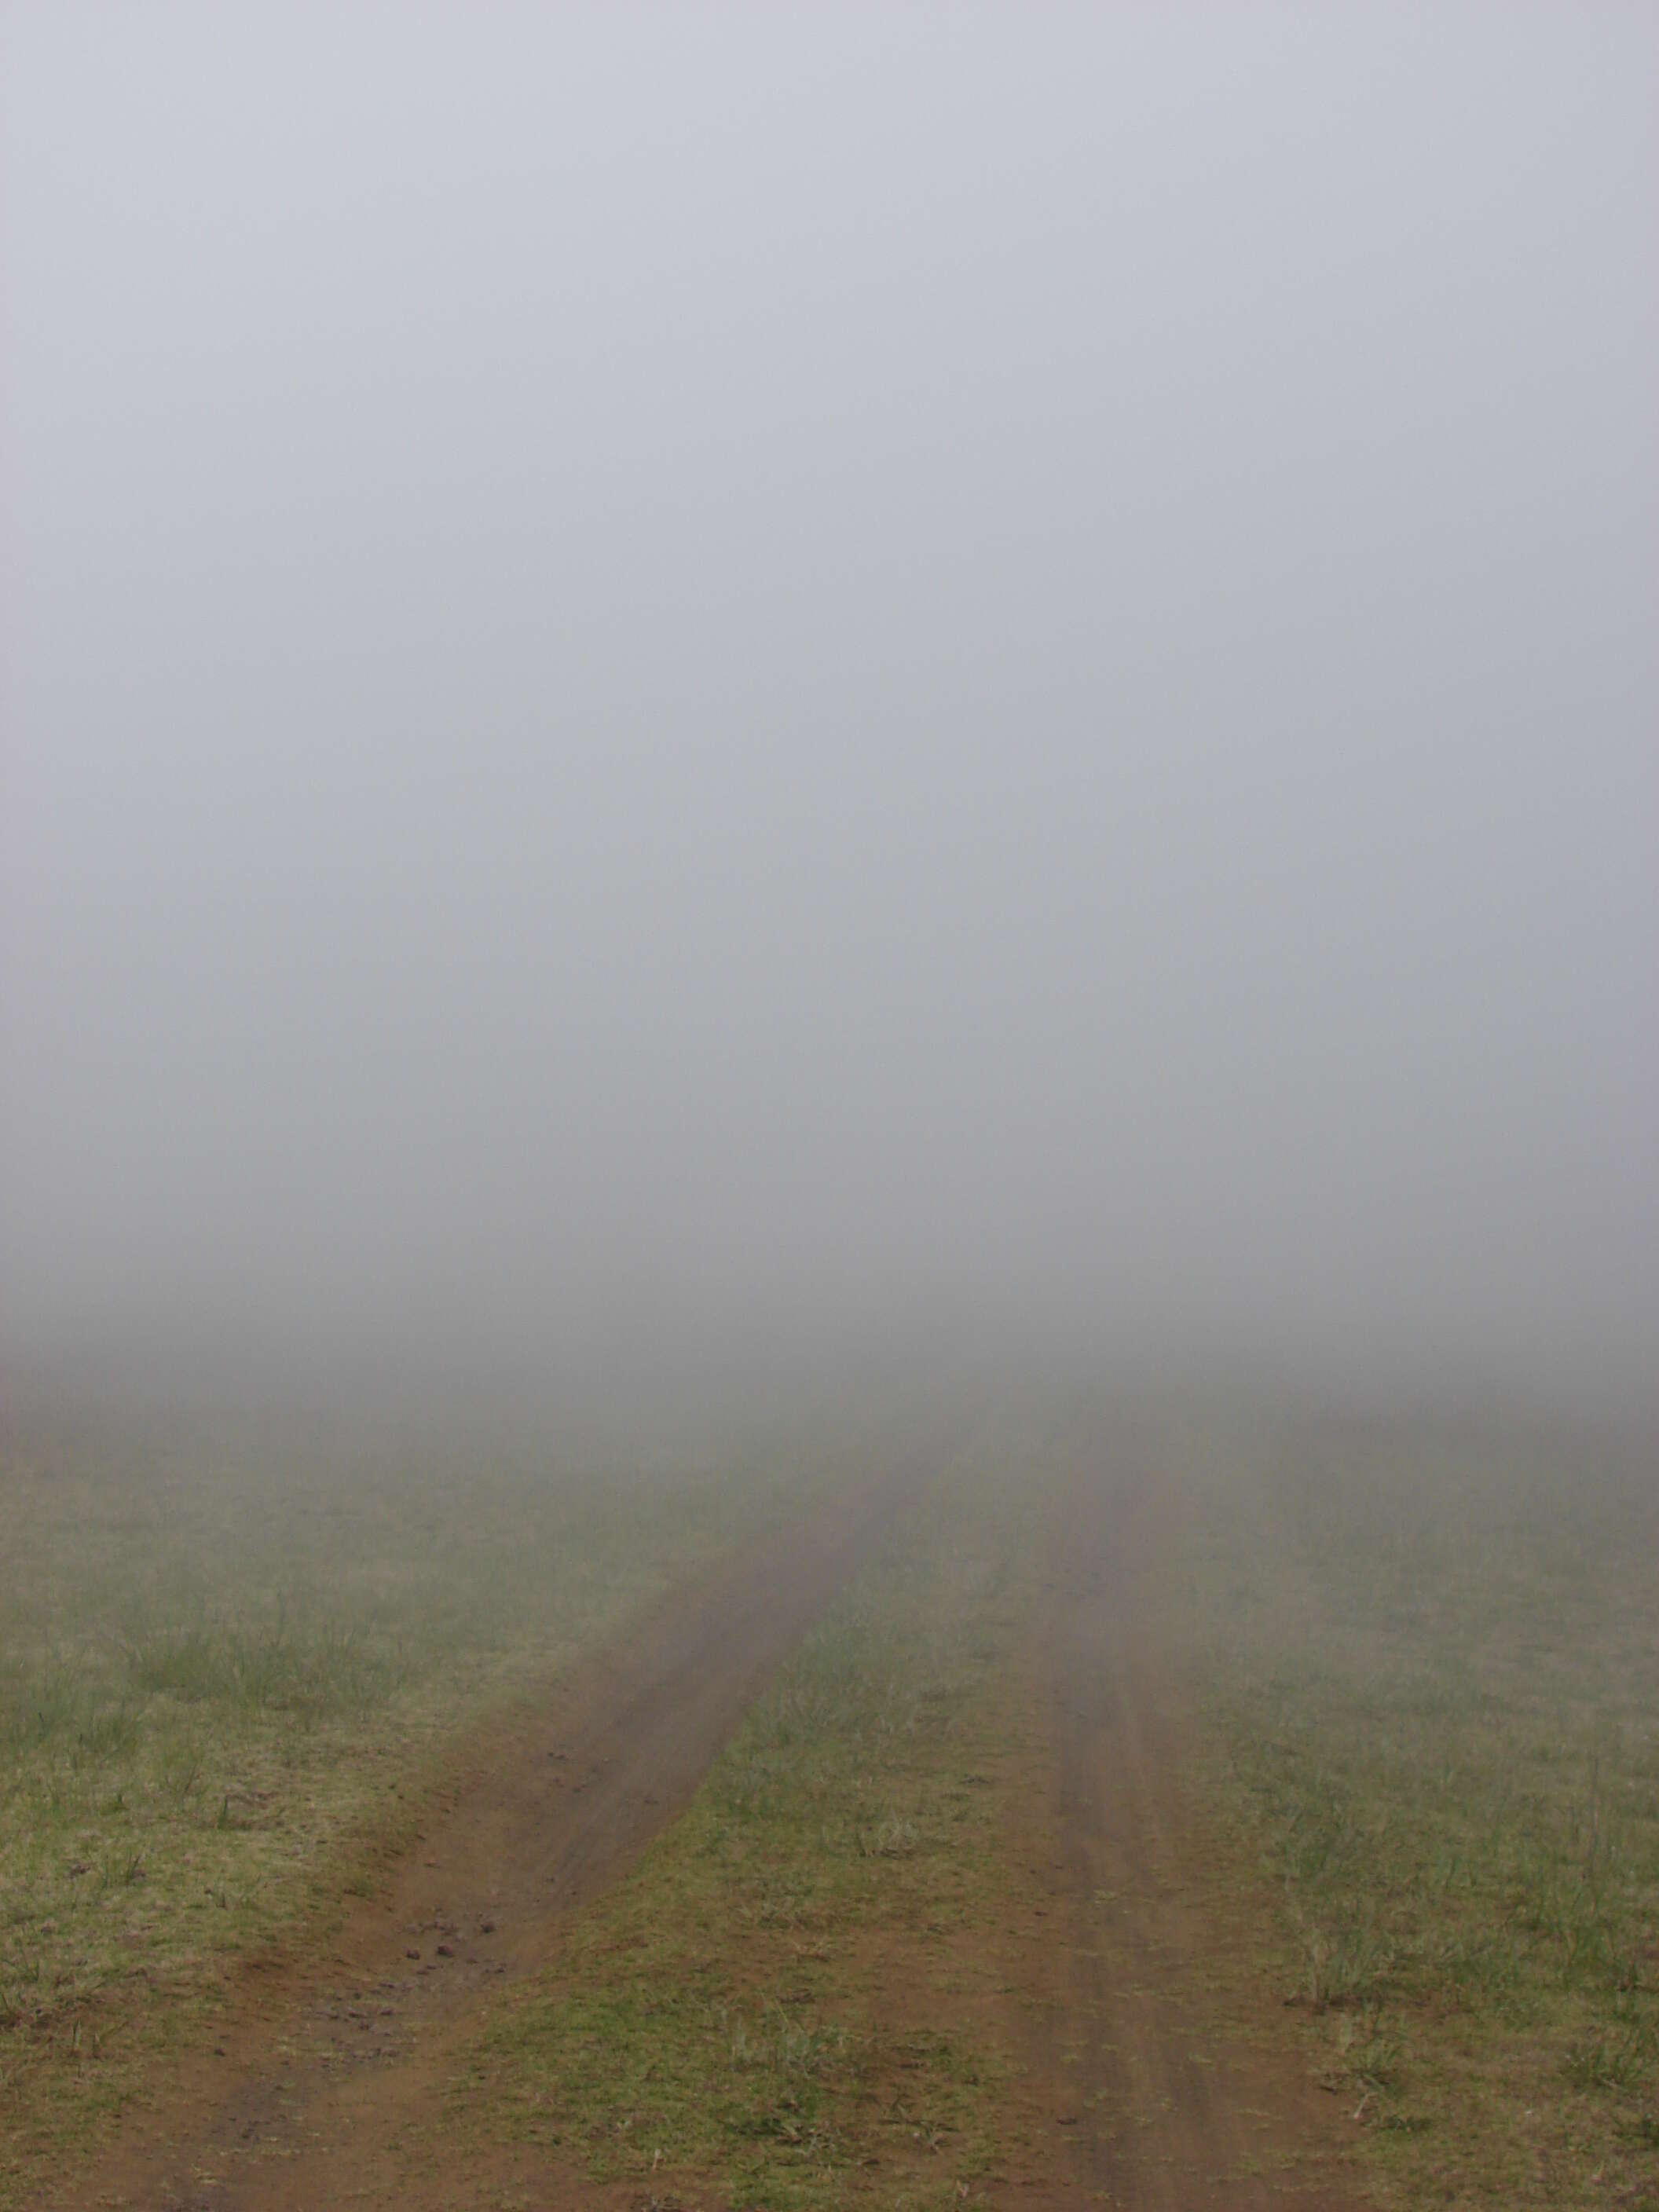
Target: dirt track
point(326, 2063)
point(1150, 2090)
point(1137, 2091)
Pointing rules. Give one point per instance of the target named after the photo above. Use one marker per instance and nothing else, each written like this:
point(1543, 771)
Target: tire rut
point(1147, 2091)
point(326, 2061)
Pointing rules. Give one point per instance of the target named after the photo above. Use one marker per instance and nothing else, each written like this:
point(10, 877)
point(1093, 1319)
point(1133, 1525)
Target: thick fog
point(685, 684)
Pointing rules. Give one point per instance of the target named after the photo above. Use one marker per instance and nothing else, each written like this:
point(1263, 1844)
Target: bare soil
point(1164, 2073)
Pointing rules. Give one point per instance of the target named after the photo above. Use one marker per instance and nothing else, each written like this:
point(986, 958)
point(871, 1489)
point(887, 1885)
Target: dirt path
point(1163, 2073)
point(1159, 2071)
point(326, 2063)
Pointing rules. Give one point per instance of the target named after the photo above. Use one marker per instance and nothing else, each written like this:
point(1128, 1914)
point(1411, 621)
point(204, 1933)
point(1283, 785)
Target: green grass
point(1433, 1668)
point(219, 1680)
point(790, 1996)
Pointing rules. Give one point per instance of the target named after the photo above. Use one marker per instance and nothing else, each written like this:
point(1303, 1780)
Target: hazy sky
point(696, 673)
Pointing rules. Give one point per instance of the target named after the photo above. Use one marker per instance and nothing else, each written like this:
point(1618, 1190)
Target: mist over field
point(690, 694)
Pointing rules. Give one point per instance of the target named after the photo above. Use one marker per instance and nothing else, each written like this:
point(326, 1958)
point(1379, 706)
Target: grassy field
point(1427, 1673)
point(1432, 1670)
point(220, 1678)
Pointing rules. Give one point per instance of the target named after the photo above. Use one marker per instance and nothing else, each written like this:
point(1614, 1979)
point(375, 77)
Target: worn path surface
point(1162, 2075)
point(325, 2065)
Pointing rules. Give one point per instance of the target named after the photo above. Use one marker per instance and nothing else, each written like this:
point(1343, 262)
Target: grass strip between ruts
point(791, 1997)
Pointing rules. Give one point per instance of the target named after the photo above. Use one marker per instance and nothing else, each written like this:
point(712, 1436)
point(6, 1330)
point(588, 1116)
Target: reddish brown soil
point(1164, 2074)
point(327, 2063)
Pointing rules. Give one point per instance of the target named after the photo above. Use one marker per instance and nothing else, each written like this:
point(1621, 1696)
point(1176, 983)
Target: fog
point(686, 690)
